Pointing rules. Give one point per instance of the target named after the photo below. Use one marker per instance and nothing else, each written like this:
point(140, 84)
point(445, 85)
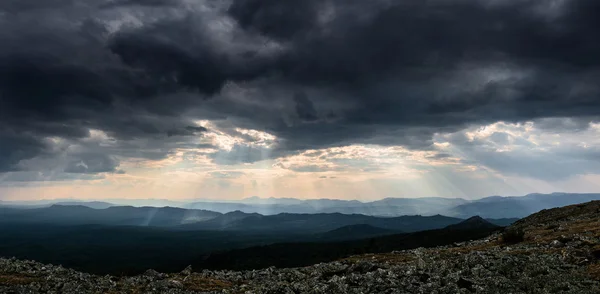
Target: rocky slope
point(560, 253)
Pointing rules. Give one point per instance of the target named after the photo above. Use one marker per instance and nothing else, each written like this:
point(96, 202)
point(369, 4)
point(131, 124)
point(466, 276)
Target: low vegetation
point(594, 271)
point(202, 284)
point(17, 279)
point(513, 236)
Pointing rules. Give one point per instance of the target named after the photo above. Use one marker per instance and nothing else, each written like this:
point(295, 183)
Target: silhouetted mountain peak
point(475, 222)
point(474, 219)
point(239, 213)
point(237, 216)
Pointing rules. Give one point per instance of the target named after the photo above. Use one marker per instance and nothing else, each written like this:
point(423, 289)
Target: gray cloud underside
point(315, 73)
point(548, 164)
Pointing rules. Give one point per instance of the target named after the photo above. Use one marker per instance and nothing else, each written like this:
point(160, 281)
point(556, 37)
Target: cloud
point(21, 178)
point(276, 19)
point(92, 163)
point(440, 75)
point(240, 153)
point(305, 108)
point(151, 3)
point(527, 151)
point(226, 174)
point(187, 131)
point(439, 156)
point(311, 74)
point(309, 168)
point(564, 124)
point(500, 138)
point(17, 147)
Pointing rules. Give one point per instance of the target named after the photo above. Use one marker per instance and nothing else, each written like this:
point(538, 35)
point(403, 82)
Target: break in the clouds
point(248, 97)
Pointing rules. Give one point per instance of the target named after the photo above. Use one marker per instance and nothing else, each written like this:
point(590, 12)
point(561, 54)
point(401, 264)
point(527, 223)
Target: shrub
point(513, 236)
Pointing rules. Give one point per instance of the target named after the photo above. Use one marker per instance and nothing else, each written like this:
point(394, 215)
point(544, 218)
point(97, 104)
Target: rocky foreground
point(560, 253)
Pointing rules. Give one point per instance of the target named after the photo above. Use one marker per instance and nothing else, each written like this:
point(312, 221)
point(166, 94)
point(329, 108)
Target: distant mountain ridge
point(203, 220)
point(495, 207)
point(490, 207)
point(90, 204)
point(324, 222)
point(114, 215)
point(385, 207)
point(518, 207)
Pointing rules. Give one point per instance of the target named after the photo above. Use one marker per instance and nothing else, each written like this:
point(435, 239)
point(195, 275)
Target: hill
point(114, 215)
point(316, 223)
point(90, 204)
point(475, 222)
point(518, 207)
point(193, 219)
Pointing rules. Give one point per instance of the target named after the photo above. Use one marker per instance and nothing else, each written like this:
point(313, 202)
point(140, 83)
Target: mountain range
point(489, 207)
point(204, 220)
point(108, 239)
point(115, 215)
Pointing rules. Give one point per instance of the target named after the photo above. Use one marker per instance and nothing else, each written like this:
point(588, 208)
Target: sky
point(345, 99)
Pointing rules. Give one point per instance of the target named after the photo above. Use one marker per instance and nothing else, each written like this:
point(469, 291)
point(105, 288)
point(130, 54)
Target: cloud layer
point(88, 87)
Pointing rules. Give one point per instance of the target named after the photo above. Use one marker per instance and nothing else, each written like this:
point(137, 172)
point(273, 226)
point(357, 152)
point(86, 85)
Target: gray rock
point(187, 271)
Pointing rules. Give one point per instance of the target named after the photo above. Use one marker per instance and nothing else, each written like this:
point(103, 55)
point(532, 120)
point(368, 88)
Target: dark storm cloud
point(305, 108)
point(91, 164)
point(416, 45)
point(164, 62)
point(15, 147)
point(121, 3)
point(276, 18)
point(196, 129)
point(187, 131)
point(380, 72)
point(425, 67)
point(12, 6)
